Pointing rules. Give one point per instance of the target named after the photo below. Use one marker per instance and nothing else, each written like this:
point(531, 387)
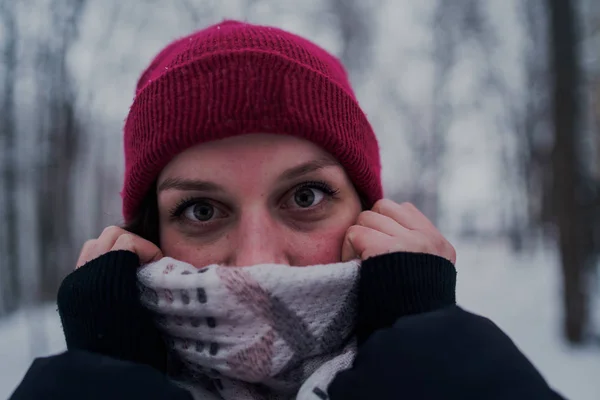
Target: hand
point(391, 227)
point(99, 304)
point(115, 238)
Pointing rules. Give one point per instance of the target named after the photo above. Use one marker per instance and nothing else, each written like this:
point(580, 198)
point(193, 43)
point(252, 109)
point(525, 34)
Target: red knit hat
point(235, 78)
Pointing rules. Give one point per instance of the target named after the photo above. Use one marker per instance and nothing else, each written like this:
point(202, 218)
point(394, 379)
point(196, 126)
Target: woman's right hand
point(99, 302)
point(114, 238)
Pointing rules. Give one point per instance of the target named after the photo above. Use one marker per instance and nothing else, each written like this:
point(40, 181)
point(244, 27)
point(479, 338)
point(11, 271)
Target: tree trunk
point(564, 57)
point(9, 264)
point(354, 25)
point(59, 129)
point(55, 208)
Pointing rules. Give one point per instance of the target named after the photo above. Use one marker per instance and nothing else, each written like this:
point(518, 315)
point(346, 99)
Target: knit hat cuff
point(247, 91)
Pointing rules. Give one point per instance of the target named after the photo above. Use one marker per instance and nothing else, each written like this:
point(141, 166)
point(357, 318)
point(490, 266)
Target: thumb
point(348, 252)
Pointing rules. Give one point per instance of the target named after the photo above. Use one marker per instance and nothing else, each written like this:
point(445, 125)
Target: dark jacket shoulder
point(444, 354)
point(78, 375)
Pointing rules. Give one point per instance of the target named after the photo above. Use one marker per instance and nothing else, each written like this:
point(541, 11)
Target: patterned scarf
point(260, 332)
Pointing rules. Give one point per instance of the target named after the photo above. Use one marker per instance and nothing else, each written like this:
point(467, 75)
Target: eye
point(307, 197)
point(201, 211)
point(197, 210)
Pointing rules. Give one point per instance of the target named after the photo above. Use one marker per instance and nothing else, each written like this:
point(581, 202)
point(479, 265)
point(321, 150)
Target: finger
point(410, 217)
point(347, 249)
point(108, 237)
point(366, 242)
point(405, 214)
point(369, 243)
point(93, 249)
point(146, 251)
point(86, 252)
point(381, 223)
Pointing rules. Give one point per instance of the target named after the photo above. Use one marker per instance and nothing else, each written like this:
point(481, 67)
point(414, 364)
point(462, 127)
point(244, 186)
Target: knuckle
point(394, 248)
point(356, 235)
point(125, 242)
point(387, 203)
point(363, 217)
point(386, 206)
point(451, 252)
point(426, 247)
point(440, 243)
point(408, 206)
point(423, 243)
point(354, 230)
point(126, 239)
point(380, 204)
point(443, 248)
point(86, 252)
point(110, 230)
point(89, 244)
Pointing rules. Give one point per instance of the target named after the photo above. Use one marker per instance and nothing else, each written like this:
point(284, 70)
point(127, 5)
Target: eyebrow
point(308, 167)
point(205, 186)
point(189, 185)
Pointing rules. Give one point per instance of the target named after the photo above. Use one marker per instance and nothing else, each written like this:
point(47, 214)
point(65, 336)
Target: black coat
point(414, 342)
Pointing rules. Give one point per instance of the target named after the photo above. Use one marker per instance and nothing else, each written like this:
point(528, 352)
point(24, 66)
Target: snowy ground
point(520, 295)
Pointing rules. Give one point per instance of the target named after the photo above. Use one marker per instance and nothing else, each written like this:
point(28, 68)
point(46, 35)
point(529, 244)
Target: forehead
point(244, 155)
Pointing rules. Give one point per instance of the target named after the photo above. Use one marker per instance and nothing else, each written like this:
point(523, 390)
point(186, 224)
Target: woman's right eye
point(202, 212)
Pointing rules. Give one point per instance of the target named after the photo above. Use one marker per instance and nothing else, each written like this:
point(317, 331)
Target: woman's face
point(254, 199)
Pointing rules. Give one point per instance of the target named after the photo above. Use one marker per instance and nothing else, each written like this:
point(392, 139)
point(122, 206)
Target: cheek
point(181, 247)
point(324, 247)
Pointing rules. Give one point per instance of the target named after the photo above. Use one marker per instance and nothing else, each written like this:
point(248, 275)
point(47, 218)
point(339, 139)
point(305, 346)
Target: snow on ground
point(519, 294)
point(23, 337)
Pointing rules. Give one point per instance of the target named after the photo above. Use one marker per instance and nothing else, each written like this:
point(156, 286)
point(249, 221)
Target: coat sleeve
point(77, 375)
point(100, 310)
point(444, 354)
point(400, 284)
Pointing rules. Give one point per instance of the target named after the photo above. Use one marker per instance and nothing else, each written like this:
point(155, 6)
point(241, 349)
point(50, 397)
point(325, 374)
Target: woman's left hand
point(391, 227)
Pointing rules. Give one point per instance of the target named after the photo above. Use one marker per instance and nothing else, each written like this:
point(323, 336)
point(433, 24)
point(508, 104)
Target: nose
point(257, 240)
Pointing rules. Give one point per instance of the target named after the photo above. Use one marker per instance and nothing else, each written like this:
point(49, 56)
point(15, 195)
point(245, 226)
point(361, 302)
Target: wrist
point(400, 284)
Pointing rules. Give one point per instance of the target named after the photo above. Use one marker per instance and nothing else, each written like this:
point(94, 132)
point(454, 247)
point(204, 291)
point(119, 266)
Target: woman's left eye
point(308, 197)
point(201, 212)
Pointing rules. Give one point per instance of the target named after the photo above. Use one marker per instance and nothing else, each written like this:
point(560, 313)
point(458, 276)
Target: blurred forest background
point(487, 112)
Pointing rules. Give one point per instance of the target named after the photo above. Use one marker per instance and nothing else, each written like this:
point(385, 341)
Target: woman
point(246, 153)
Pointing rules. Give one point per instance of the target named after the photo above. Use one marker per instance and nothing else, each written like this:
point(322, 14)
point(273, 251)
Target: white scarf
point(260, 332)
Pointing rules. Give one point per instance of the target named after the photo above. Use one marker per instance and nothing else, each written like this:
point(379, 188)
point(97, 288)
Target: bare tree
point(354, 21)
point(9, 256)
point(573, 231)
point(58, 131)
point(453, 25)
point(526, 132)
